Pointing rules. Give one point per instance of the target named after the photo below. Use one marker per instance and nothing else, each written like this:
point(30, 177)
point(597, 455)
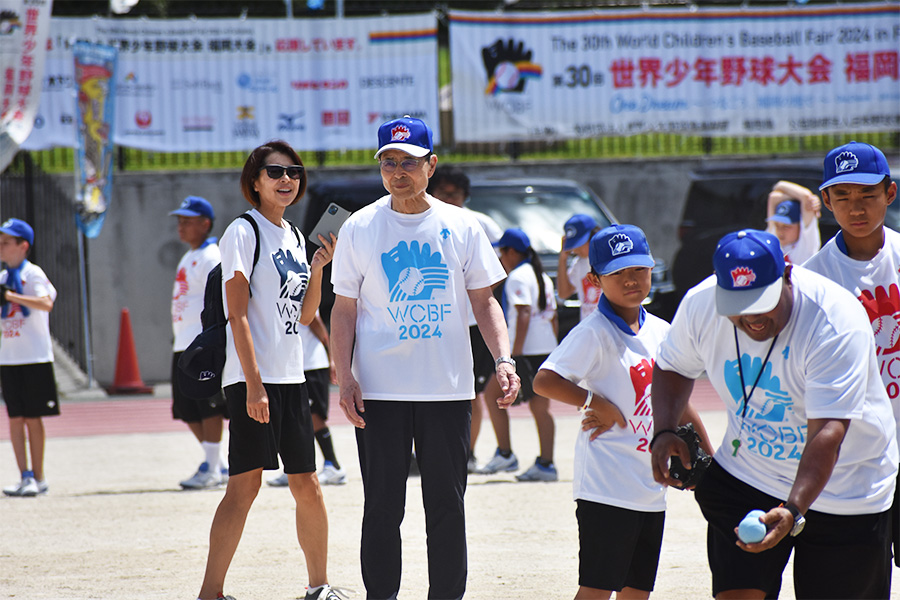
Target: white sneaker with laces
point(27, 487)
point(472, 465)
point(329, 475)
point(538, 472)
point(280, 481)
point(204, 478)
point(326, 592)
point(498, 463)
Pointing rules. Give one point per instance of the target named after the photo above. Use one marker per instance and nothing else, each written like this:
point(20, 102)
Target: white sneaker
point(280, 481)
point(472, 465)
point(498, 463)
point(204, 478)
point(223, 475)
point(27, 487)
point(329, 475)
point(538, 472)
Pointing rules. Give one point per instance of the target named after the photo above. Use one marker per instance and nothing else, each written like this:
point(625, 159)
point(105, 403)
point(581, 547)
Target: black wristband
point(659, 433)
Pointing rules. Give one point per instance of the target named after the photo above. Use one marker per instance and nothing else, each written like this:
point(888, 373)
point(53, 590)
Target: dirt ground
point(116, 525)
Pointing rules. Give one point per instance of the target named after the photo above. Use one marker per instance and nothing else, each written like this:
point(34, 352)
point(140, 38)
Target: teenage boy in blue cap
point(572, 277)
point(604, 365)
point(203, 416)
point(810, 435)
point(26, 354)
point(793, 216)
point(864, 257)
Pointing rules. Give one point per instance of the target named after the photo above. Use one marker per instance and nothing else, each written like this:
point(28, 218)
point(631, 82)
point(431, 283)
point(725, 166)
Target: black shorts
point(482, 360)
point(632, 560)
point(526, 368)
point(29, 390)
point(835, 556)
point(190, 410)
point(318, 382)
point(254, 445)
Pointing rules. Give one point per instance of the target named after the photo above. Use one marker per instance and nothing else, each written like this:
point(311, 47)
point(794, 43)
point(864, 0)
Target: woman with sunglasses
point(400, 342)
point(263, 377)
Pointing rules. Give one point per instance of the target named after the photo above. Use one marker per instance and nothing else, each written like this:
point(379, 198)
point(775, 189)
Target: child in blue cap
point(26, 355)
point(793, 216)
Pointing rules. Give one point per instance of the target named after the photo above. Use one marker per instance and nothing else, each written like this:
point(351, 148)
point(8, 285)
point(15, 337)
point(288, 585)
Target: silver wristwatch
point(505, 359)
point(799, 519)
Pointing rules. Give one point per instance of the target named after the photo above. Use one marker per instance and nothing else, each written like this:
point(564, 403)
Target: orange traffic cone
point(128, 373)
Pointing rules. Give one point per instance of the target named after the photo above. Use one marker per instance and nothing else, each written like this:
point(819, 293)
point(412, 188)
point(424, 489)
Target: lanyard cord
point(747, 396)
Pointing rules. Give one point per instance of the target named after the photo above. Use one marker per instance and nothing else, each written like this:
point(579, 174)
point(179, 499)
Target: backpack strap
point(296, 233)
point(253, 224)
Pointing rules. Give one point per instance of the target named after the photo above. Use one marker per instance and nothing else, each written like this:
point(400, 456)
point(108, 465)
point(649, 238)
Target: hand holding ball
point(751, 529)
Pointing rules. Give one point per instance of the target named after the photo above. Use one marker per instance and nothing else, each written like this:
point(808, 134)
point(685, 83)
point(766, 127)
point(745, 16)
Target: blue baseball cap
point(749, 267)
point(578, 230)
point(195, 206)
point(787, 212)
point(855, 162)
point(619, 247)
point(406, 134)
point(18, 228)
point(514, 238)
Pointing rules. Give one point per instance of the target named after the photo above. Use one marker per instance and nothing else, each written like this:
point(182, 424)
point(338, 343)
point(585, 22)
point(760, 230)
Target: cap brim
point(858, 178)
point(780, 219)
point(730, 303)
point(183, 212)
point(411, 149)
point(627, 262)
point(577, 241)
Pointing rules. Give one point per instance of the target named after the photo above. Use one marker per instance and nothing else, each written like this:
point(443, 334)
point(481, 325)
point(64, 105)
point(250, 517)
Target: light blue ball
point(751, 529)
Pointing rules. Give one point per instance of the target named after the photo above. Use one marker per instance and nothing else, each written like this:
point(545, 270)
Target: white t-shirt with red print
point(588, 294)
point(876, 283)
point(601, 356)
point(188, 291)
point(26, 339)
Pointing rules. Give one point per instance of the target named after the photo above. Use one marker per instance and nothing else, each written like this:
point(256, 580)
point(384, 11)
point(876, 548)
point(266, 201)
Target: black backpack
point(201, 364)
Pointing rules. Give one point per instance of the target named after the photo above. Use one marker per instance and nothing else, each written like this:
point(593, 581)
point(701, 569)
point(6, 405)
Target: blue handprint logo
point(294, 275)
point(777, 401)
point(414, 273)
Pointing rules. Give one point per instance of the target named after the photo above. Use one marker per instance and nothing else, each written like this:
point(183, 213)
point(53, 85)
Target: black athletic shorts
point(318, 382)
point(526, 368)
point(482, 360)
point(191, 410)
point(835, 556)
point(618, 547)
point(29, 390)
point(254, 445)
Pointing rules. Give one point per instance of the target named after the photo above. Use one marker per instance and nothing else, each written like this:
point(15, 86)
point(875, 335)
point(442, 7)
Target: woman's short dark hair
point(257, 160)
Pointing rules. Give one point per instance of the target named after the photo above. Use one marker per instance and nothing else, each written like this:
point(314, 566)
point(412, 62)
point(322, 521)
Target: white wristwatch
point(505, 359)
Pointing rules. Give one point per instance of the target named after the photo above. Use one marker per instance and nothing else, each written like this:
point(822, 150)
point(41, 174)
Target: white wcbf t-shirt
point(410, 274)
point(822, 366)
point(187, 293)
point(522, 290)
point(876, 284)
point(615, 468)
point(26, 340)
point(278, 284)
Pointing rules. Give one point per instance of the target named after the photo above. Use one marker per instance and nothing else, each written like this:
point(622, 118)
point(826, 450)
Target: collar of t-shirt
point(606, 308)
point(207, 242)
point(841, 244)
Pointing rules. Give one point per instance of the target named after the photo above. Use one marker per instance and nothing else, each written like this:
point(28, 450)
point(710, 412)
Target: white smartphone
point(331, 221)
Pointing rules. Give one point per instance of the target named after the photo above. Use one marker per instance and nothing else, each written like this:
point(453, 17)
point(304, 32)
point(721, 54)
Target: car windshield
point(540, 210)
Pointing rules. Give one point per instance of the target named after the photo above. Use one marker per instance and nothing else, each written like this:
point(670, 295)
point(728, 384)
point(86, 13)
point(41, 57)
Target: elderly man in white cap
point(810, 434)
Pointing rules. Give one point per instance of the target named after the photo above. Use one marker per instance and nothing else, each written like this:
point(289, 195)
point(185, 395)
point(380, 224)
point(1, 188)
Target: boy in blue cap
point(604, 365)
point(793, 216)
point(572, 278)
point(26, 354)
point(864, 257)
point(203, 416)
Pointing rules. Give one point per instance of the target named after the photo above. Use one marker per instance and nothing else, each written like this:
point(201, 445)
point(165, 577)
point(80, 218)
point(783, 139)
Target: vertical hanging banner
point(24, 27)
point(229, 84)
point(713, 72)
point(95, 71)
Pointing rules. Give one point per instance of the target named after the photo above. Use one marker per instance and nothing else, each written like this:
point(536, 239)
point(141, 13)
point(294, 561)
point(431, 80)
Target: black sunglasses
point(278, 171)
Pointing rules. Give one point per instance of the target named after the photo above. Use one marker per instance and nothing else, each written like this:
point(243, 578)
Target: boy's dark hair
point(451, 174)
point(257, 160)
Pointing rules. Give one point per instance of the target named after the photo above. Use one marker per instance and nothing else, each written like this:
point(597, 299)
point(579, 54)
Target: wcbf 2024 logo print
point(883, 309)
point(294, 277)
point(415, 278)
point(508, 66)
point(765, 427)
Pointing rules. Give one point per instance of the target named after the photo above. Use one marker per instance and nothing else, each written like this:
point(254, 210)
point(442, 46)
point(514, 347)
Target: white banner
point(756, 72)
point(229, 84)
point(24, 26)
